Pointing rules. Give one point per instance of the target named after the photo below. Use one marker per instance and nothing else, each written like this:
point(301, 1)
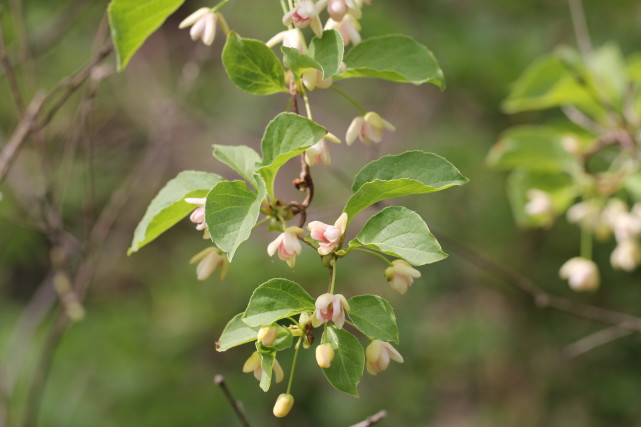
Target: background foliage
point(476, 352)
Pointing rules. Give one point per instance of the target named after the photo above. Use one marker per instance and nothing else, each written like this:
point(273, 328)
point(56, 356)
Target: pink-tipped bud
point(324, 355)
point(328, 236)
point(283, 405)
point(379, 354)
point(401, 275)
point(582, 274)
point(267, 335)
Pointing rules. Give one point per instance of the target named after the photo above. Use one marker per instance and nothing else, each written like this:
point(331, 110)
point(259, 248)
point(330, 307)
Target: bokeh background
point(477, 352)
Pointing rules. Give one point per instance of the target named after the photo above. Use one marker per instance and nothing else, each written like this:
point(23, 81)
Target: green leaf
point(169, 206)
point(374, 317)
point(609, 71)
point(252, 66)
point(287, 136)
point(236, 333)
point(267, 359)
point(413, 172)
point(328, 52)
point(347, 367)
point(633, 185)
point(231, 212)
point(536, 148)
point(394, 57)
point(284, 339)
point(559, 186)
point(277, 299)
point(297, 62)
point(241, 159)
point(549, 82)
point(133, 21)
point(402, 233)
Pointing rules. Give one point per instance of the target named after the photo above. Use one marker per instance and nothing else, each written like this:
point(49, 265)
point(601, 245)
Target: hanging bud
point(209, 260)
point(379, 354)
point(253, 364)
point(287, 245)
point(540, 205)
point(626, 256)
point(289, 38)
point(401, 275)
point(203, 25)
point(283, 405)
point(324, 355)
point(348, 27)
point(267, 335)
point(582, 274)
point(368, 128)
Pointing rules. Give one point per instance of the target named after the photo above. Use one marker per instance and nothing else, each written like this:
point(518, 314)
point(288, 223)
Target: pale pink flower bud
point(331, 308)
point(319, 152)
point(203, 25)
point(540, 203)
point(626, 256)
point(328, 236)
point(627, 227)
point(587, 214)
point(348, 28)
point(198, 215)
point(313, 78)
point(337, 9)
point(283, 405)
point(209, 260)
point(368, 129)
point(289, 38)
point(253, 364)
point(324, 355)
point(304, 15)
point(287, 245)
point(401, 275)
point(267, 335)
point(379, 354)
point(582, 274)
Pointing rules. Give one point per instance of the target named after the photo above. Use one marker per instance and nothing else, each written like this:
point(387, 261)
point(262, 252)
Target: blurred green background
point(476, 352)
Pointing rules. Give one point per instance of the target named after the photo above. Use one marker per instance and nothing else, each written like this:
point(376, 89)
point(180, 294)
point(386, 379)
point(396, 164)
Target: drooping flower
point(337, 9)
point(368, 129)
point(331, 308)
point(324, 355)
point(319, 152)
point(401, 275)
point(283, 405)
point(539, 204)
point(582, 274)
point(267, 335)
point(289, 38)
point(209, 260)
point(626, 256)
point(328, 236)
point(203, 25)
point(587, 214)
point(287, 245)
point(348, 27)
point(198, 214)
point(304, 15)
point(379, 354)
point(313, 78)
point(253, 364)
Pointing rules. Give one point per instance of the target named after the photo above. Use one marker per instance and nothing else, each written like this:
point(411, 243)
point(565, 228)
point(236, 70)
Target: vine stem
point(580, 27)
point(586, 243)
point(365, 251)
point(332, 273)
point(291, 373)
point(349, 98)
point(219, 5)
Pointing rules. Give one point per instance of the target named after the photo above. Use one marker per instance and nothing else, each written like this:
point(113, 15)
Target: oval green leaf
point(328, 52)
point(236, 333)
point(347, 367)
point(275, 300)
point(240, 158)
point(374, 317)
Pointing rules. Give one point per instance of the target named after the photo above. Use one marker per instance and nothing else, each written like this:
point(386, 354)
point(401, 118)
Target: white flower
point(209, 260)
point(305, 14)
point(401, 275)
point(368, 128)
point(331, 308)
point(289, 38)
point(379, 354)
point(287, 245)
point(348, 28)
point(587, 214)
point(581, 273)
point(203, 25)
point(337, 9)
point(253, 364)
point(626, 256)
point(313, 78)
point(539, 204)
point(328, 236)
point(319, 152)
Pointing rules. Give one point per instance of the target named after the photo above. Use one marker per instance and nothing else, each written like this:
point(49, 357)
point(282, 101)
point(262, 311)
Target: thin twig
point(595, 340)
point(237, 406)
point(9, 71)
point(24, 128)
point(580, 27)
point(370, 421)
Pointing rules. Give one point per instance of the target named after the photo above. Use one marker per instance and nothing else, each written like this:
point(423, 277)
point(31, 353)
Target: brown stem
point(236, 405)
point(370, 421)
point(597, 339)
point(9, 71)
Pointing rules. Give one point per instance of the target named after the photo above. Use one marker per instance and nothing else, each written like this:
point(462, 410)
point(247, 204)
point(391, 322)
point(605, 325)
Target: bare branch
point(236, 405)
point(8, 70)
point(370, 421)
point(597, 339)
point(580, 27)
